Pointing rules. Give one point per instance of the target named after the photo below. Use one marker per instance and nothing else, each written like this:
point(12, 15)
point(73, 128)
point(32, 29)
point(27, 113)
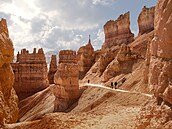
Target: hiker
point(112, 85)
point(115, 85)
point(123, 80)
point(88, 81)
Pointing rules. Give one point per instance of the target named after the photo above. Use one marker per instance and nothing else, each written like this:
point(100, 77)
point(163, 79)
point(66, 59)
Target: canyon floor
point(99, 107)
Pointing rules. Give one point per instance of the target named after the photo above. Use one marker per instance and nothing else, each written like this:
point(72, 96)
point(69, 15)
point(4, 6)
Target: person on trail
point(88, 81)
point(115, 85)
point(112, 85)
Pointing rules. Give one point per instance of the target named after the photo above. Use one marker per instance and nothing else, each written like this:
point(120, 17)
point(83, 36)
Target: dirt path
point(105, 87)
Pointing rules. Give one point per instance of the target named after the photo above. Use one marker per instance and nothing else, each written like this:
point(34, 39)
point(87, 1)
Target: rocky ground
point(98, 107)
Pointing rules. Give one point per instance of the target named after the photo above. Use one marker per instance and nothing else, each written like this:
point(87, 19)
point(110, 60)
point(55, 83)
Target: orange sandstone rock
point(104, 60)
point(57, 97)
point(30, 72)
point(122, 64)
point(161, 52)
point(153, 116)
point(52, 69)
point(66, 80)
point(86, 58)
point(146, 20)
point(8, 97)
point(67, 56)
point(118, 32)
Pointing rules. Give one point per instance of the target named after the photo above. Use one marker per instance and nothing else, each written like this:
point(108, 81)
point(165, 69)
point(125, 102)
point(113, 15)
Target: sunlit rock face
point(122, 64)
point(8, 97)
point(31, 74)
point(67, 56)
point(52, 69)
point(160, 79)
point(57, 97)
point(118, 32)
point(104, 60)
point(86, 58)
point(146, 20)
point(66, 80)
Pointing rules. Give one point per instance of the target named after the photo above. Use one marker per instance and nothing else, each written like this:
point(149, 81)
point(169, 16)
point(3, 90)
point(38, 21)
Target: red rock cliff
point(118, 32)
point(30, 72)
point(8, 97)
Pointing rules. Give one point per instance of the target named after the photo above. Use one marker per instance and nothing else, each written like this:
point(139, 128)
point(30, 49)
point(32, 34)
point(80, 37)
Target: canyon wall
point(52, 69)
point(8, 97)
point(86, 58)
point(157, 113)
point(161, 53)
point(30, 72)
point(146, 20)
point(119, 60)
point(118, 32)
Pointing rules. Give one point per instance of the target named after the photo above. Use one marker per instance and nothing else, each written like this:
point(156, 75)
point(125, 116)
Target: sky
point(64, 24)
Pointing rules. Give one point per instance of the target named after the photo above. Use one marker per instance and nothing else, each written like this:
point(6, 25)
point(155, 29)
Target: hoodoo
point(86, 58)
point(118, 32)
point(52, 69)
point(146, 20)
point(66, 80)
point(30, 72)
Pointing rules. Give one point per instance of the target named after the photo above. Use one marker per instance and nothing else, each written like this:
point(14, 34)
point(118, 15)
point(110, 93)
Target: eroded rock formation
point(86, 58)
point(30, 72)
point(57, 97)
point(104, 60)
point(146, 20)
point(157, 113)
point(66, 80)
point(97, 103)
point(8, 97)
point(67, 56)
point(52, 69)
point(161, 52)
point(122, 64)
point(118, 32)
